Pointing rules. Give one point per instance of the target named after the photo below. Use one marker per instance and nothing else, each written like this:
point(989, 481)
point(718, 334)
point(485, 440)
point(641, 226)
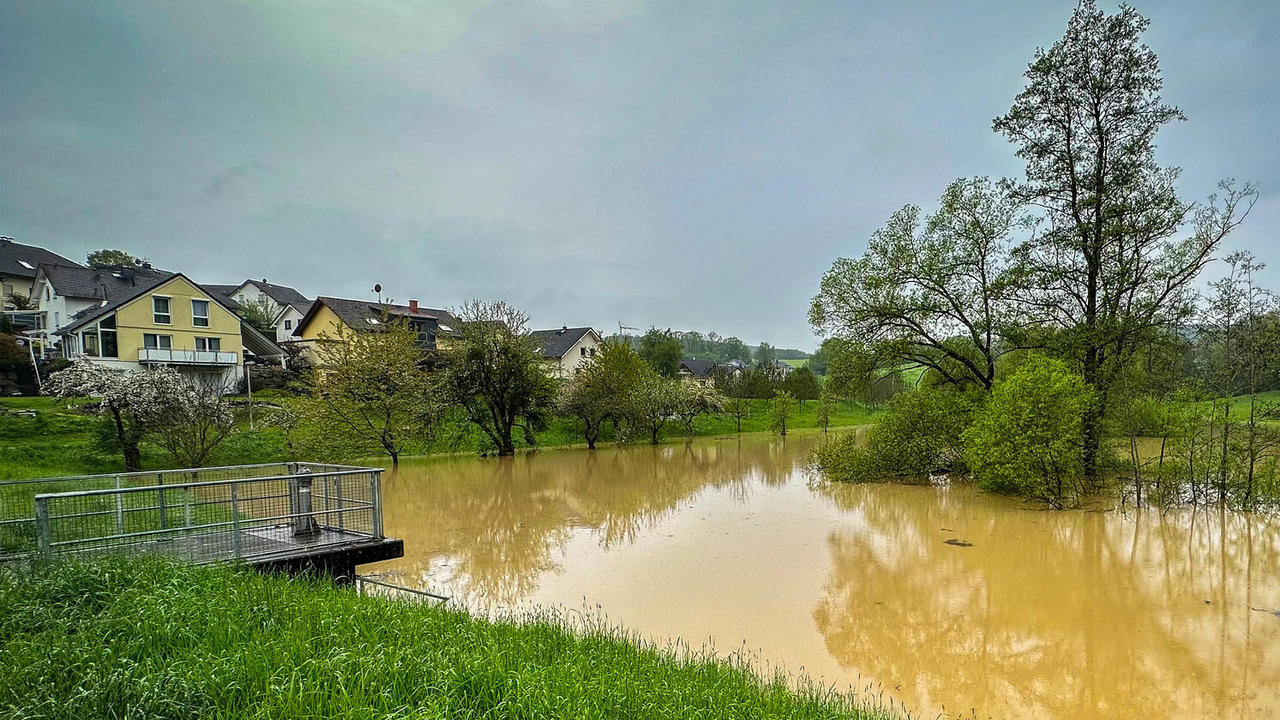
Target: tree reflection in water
point(1054, 614)
point(1068, 614)
point(488, 528)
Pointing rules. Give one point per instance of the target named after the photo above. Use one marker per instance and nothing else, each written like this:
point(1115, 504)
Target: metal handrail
point(174, 471)
point(205, 483)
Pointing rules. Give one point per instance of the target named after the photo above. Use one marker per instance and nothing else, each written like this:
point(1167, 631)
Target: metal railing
point(199, 515)
point(186, 357)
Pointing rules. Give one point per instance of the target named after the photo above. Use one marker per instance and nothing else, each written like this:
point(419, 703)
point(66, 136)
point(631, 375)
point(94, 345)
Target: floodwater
point(730, 541)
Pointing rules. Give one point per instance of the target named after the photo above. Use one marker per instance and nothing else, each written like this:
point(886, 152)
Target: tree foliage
point(781, 411)
point(1118, 249)
point(111, 258)
point(370, 388)
point(661, 349)
point(919, 436)
point(932, 292)
point(190, 416)
point(259, 313)
point(602, 388)
point(129, 400)
point(495, 373)
point(1028, 439)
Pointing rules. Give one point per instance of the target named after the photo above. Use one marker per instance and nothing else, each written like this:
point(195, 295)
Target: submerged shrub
point(918, 437)
point(1028, 438)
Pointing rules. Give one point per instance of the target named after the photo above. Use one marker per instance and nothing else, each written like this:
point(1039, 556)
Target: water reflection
point(487, 529)
point(1054, 614)
point(1069, 614)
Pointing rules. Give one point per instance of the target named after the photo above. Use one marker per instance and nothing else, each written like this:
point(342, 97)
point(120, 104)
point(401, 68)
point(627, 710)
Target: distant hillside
point(713, 346)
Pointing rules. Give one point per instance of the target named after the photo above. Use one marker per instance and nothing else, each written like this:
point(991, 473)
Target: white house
point(62, 292)
point(286, 305)
point(567, 348)
point(19, 265)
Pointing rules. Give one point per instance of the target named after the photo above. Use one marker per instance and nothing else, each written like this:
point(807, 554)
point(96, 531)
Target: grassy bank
point(149, 639)
point(60, 440)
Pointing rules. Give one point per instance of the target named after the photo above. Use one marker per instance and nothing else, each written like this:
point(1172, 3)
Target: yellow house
point(329, 316)
point(168, 320)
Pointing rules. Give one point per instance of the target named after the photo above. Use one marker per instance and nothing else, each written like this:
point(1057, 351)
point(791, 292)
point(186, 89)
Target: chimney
point(413, 306)
point(563, 329)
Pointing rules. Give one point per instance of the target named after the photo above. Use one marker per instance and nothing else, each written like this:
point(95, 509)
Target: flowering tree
point(186, 416)
point(190, 417)
point(128, 399)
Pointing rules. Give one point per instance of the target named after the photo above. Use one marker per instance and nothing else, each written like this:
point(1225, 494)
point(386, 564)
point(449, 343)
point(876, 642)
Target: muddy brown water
point(730, 541)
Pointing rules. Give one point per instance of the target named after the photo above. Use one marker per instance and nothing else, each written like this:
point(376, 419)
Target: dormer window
point(160, 314)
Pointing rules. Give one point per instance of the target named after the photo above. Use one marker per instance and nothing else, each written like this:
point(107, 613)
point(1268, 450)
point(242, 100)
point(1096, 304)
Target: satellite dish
point(377, 287)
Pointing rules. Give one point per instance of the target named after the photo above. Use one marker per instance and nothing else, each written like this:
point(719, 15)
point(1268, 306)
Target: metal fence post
point(164, 509)
point(337, 486)
point(119, 507)
point(44, 534)
point(235, 520)
point(186, 506)
point(375, 493)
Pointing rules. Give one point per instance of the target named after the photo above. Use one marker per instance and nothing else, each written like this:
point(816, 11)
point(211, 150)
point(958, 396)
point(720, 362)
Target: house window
point(593, 352)
point(160, 311)
point(151, 341)
point(288, 324)
point(200, 313)
point(89, 341)
point(107, 337)
point(582, 351)
point(212, 344)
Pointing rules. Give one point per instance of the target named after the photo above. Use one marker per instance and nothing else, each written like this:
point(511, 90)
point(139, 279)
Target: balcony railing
point(186, 357)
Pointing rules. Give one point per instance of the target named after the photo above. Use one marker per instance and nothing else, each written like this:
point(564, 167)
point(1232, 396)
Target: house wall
point(568, 363)
point(56, 311)
point(287, 323)
point(251, 293)
point(135, 318)
point(10, 284)
point(323, 326)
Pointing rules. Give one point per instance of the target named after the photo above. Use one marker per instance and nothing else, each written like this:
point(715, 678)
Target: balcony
point(185, 357)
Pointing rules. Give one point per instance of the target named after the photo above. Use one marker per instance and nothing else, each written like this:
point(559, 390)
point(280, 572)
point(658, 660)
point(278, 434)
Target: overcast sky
point(694, 165)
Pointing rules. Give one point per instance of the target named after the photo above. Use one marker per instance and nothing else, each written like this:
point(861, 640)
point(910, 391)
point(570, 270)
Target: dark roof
point(701, 368)
point(142, 286)
point(282, 294)
point(22, 260)
point(99, 284)
point(555, 343)
point(357, 313)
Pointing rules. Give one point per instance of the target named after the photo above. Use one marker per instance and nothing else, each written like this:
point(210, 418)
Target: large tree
point(128, 400)
point(372, 391)
point(1118, 248)
point(662, 350)
point(930, 291)
point(495, 373)
point(601, 390)
point(108, 257)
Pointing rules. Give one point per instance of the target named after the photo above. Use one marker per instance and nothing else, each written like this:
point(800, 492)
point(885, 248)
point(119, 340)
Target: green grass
point(144, 638)
point(61, 440)
point(796, 362)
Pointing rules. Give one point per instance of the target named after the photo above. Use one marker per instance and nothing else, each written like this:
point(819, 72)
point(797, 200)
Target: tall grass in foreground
point(146, 638)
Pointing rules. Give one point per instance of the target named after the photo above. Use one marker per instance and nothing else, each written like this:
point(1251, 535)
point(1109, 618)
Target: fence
point(199, 514)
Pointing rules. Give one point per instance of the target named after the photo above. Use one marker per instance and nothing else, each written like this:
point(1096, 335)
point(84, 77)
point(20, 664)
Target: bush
point(1028, 439)
point(918, 437)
